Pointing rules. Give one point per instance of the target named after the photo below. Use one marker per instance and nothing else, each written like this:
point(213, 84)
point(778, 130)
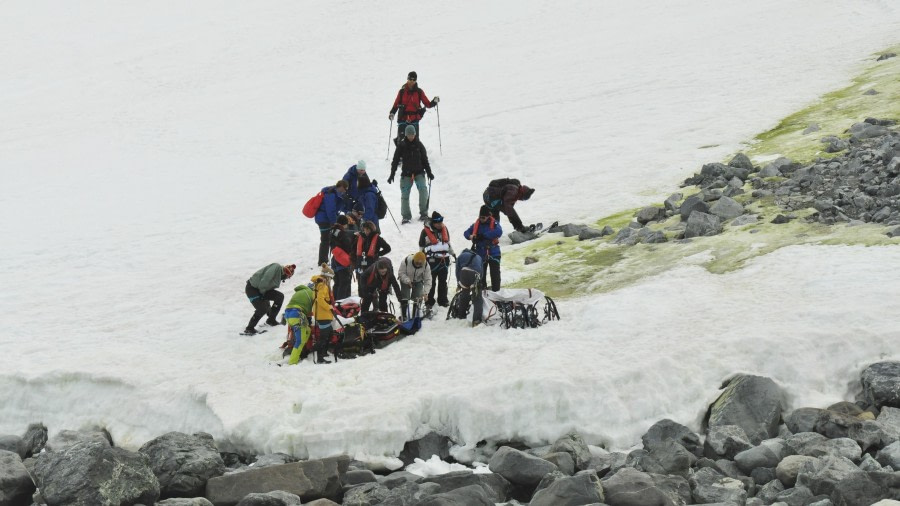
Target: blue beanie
point(410, 130)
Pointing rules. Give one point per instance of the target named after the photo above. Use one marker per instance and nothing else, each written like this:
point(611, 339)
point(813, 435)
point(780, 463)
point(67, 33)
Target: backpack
point(500, 183)
point(381, 208)
point(312, 205)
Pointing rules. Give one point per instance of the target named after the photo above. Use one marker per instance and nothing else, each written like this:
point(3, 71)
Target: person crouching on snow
point(297, 313)
point(415, 281)
point(468, 278)
point(378, 280)
point(323, 312)
point(261, 288)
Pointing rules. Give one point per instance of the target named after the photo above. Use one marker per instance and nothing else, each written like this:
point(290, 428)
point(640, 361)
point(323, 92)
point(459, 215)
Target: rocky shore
point(749, 453)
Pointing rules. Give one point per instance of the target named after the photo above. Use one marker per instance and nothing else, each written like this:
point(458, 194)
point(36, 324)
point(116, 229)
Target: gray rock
point(885, 56)
point(770, 491)
point(780, 219)
point(573, 444)
point(398, 478)
point(753, 403)
point(517, 237)
point(839, 447)
point(16, 486)
point(407, 494)
point(35, 439)
point(894, 232)
point(803, 420)
point(813, 127)
point(91, 472)
point(768, 454)
point(668, 457)
point(627, 236)
point(871, 91)
point(630, 487)
point(701, 224)
point(311, 479)
point(322, 502)
point(472, 495)
point(650, 213)
point(571, 229)
point(667, 429)
point(608, 463)
point(359, 476)
point(423, 448)
point(692, 204)
point(185, 501)
point(183, 463)
point(770, 171)
point(671, 203)
point(519, 467)
point(835, 145)
point(272, 459)
point(860, 131)
point(821, 476)
point(591, 233)
point(656, 237)
point(725, 441)
point(563, 461)
point(741, 161)
point(13, 444)
point(869, 435)
point(709, 486)
point(889, 420)
point(584, 488)
point(890, 455)
point(762, 475)
point(726, 208)
point(530, 260)
point(789, 467)
point(859, 490)
point(274, 498)
point(496, 487)
point(834, 424)
point(797, 496)
point(744, 219)
point(67, 438)
point(869, 463)
point(881, 384)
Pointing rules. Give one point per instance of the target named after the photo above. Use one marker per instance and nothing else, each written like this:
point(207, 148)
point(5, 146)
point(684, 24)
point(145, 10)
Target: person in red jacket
point(410, 105)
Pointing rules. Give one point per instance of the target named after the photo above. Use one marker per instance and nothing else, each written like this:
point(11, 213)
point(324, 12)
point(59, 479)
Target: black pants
point(342, 280)
point(324, 242)
point(492, 265)
point(260, 302)
point(369, 298)
point(439, 282)
point(477, 301)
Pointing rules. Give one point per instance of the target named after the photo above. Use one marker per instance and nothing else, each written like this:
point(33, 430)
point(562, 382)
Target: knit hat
point(342, 220)
point(326, 271)
point(412, 75)
point(289, 270)
point(410, 130)
point(526, 192)
point(484, 211)
point(419, 257)
point(436, 217)
point(361, 165)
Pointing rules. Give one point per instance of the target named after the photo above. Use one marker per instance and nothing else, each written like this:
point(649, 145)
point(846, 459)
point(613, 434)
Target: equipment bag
point(312, 205)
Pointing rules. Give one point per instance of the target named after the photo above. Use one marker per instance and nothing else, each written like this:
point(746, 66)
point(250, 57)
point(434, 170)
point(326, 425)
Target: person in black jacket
point(378, 279)
point(370, 246)
point(415, 168)
point(342, 245)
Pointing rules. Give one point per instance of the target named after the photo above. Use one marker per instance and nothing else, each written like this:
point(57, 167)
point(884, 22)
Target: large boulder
point(35, 439)
point(496, 486)
point(66, 438)
point(650, 213)
point(803, 420)
point(741, 161)
point(881, 384)
point(668, 429)
point(726, 208)
point(563, 461)
point(725, 441)
point(371, 494)
point(768, 455)
point(630, 487)
point(889, 420)
point(311, 479)
point(92, 472)
point(664, 457)
point(183, 463)
point(16, 486)
point(890, 455)
point(858, 490)
point(573, 444)
point(693, 203)
point(519, 467)
point(789, 467)
point(700, 224)
point(752, 403)
point(821, 476)
point(274, 498)
point(471, 495)
point(583, 488)
point(13, 444)
point(423, 448)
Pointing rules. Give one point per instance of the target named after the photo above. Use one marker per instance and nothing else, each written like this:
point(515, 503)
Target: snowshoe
point(252, 332)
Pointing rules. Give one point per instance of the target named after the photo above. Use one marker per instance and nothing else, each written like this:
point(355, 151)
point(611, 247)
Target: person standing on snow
point(367, 200)
point(332, 204)
point(415, 168)
point(502, 195)
point(352, 178)
point(370, 246)
point(323, 312)
point(411, 103)
point(415, 280)
point(485, 235)
point(469, 269)
point(435, 243)
point(379, 279)
point(341, 260)
point(261, 288)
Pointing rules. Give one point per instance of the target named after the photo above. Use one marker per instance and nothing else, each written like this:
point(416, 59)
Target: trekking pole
point(390, 131)
point(437, 107)
point(428, 200)
point(389, 208)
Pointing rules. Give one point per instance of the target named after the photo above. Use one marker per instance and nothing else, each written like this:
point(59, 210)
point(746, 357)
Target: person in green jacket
point(297, 313)
point(261, 288)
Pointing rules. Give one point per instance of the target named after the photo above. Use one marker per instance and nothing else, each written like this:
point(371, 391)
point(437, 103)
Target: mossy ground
point(569, 267)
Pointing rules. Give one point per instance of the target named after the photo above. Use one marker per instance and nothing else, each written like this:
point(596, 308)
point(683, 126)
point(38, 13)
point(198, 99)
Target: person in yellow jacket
point(323, 312)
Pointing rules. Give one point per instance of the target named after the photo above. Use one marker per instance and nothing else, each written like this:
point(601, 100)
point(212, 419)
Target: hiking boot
point(443, 303)
point(250, 331)
point(320, 358)
point(272, 322)
point(405, 221)
point(423, 218)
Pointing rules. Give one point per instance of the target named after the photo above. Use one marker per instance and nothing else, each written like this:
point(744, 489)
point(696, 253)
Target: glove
point(435, 100)
point(477, 237)
point(374, 182)
point(430, 175)
point(391, 179)
point(391, 116)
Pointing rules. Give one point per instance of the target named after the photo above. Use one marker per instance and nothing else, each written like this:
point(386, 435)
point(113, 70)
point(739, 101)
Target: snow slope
point(154, 155)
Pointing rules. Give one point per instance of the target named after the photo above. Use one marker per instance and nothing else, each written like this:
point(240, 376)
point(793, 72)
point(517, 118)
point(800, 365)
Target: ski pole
point(389, 210)
point(390, 131)
point(428, 200)
point(437, 107)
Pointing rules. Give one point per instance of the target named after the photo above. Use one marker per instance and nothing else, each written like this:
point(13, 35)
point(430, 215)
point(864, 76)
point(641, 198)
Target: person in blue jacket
point(485, 235)
point(367, 201)
point(469, 269)
point(326, 216)
point(352, 178)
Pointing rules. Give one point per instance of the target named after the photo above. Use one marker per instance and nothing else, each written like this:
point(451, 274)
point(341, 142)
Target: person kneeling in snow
point(261, 288)
point(415, 281)
point(468, 278)
point(297, 313)
point(323, 312)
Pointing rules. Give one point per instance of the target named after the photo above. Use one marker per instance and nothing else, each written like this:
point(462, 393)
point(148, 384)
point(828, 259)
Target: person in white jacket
point(414, 275)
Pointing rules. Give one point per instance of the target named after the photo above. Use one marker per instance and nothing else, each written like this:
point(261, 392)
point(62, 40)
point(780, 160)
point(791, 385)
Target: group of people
point(351, 244)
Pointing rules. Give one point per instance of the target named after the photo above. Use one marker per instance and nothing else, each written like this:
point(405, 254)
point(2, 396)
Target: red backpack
point(312, 205)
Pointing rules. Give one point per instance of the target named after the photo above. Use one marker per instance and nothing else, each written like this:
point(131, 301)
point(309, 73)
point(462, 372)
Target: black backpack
point(381, 208)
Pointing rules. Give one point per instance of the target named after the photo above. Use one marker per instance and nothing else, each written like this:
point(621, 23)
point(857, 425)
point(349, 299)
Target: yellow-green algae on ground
point(568, 267)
